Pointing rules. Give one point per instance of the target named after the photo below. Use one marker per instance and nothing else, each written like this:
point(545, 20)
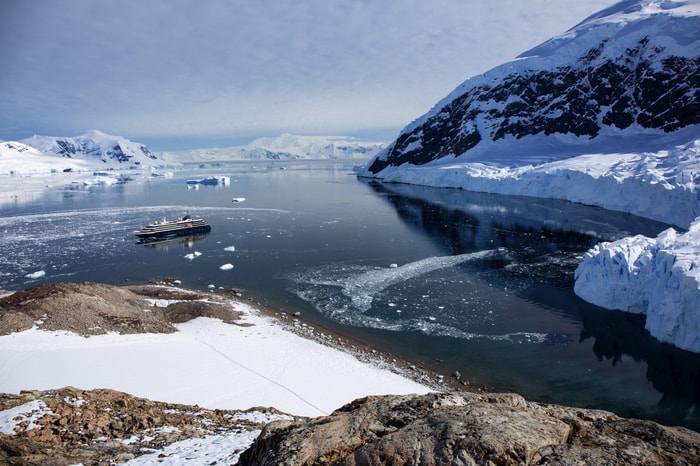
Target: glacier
point(658, 277)
point(660, 185)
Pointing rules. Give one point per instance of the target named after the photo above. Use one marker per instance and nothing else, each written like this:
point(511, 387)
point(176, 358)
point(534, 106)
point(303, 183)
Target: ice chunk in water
point(192, 255)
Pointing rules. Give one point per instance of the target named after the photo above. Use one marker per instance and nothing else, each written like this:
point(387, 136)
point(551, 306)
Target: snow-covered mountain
point(624, 81)
point(606, 114)
point(284, 147)
point(16, 157)
point(93, 150)
point(95, 146)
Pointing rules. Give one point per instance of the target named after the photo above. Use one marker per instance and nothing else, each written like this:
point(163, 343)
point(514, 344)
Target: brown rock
point(84, 426)
point(93, 308)
point(467, 428)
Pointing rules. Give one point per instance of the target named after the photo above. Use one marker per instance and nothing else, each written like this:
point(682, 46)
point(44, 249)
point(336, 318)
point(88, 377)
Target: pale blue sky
point(212, 71)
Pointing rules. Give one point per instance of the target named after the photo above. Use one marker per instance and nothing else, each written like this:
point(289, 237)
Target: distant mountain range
point(95, 150)
point(284, 147)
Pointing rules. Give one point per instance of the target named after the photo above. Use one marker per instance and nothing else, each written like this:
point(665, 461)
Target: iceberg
point(658, 277)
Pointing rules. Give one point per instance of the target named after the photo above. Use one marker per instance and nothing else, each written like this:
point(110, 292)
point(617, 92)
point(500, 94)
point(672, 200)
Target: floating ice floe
point(230, 248)
point(238, 199)
point(372, 282)
point(192, 255)
point(37, 274)
point(226, 267)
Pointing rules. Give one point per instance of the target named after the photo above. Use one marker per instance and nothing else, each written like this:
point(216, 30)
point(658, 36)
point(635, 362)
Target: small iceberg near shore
point(211, 181)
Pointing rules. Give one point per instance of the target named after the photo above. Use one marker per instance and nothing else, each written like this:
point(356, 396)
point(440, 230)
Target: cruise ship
point(168, 228)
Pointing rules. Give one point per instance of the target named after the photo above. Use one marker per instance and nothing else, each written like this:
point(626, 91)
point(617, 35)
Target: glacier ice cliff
point(658, 277)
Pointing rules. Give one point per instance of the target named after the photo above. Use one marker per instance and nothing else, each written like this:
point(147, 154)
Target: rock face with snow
point(624, 81)
point(20, 158)
point(112, 151)
point(91, 151)
point(285, 147)
point(659, 277)
point(101, 427)
point(634, 68)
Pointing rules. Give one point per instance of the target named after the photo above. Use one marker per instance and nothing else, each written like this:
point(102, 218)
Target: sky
point(199, 73)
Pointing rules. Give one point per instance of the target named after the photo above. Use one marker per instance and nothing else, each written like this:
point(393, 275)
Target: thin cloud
point(239, 68)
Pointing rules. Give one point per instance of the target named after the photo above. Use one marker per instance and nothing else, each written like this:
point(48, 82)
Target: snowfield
point(206, 363)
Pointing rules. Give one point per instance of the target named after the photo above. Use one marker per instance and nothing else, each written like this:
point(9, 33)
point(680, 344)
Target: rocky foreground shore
point(459, 428)
point(72, 426)
point(104, 427)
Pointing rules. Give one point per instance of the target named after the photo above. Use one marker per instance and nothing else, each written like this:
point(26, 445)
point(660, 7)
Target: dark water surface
point(454, 280)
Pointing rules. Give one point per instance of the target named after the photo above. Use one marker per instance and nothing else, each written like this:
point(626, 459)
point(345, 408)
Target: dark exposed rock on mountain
point(622, 72)
point(469, 429)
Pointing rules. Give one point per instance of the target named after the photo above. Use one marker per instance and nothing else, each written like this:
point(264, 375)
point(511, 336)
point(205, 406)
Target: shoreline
point(240, 355)
point(295, 322)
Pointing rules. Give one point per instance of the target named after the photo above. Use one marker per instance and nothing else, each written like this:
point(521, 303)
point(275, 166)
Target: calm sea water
point(449, 279)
